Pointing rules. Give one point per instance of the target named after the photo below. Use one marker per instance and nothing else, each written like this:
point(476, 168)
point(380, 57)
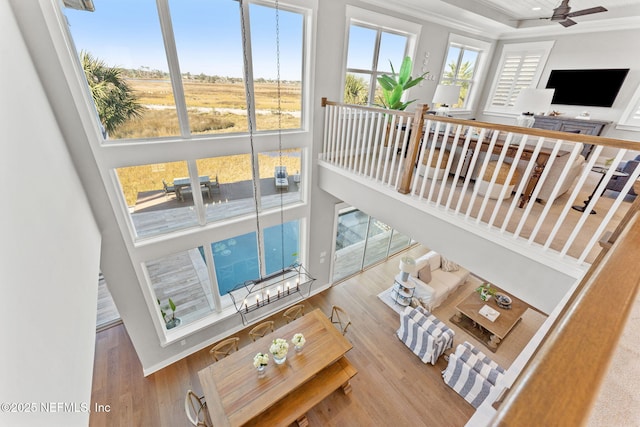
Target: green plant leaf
point(405, 71)
point(172, 305)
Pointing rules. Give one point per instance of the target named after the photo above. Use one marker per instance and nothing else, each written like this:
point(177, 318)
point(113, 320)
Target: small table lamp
point(446, 95)
point(529, 102)
point(407, 265)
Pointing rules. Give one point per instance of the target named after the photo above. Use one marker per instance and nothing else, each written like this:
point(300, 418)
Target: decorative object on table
point(407, 266)
point(445, 95)
point(260, 362)
point(170, 321)
point(485, 291)
point(532, 101)
point(279, 348)
point(503, 301)
point(489, 313)
point(298, 341)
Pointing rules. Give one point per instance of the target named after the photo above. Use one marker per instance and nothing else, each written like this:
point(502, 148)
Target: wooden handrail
point(561, 381)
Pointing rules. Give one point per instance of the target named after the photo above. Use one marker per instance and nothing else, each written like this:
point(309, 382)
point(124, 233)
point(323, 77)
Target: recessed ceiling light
point(536, 8)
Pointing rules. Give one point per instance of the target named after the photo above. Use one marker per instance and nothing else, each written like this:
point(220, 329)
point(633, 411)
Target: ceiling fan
point(562, 14)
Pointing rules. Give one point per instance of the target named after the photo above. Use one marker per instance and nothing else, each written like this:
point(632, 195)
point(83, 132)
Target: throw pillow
point(424, 274)
point(447, 265)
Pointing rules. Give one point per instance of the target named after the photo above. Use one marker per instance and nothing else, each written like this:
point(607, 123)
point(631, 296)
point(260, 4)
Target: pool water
point(236, 259)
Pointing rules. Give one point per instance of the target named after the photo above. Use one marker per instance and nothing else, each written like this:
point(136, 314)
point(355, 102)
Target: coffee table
point(470, 308)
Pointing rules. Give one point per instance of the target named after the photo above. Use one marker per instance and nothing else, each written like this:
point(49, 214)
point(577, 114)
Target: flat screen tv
point(593, 88)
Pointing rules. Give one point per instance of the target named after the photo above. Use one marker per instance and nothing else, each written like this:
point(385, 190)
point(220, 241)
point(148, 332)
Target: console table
point(566, 124)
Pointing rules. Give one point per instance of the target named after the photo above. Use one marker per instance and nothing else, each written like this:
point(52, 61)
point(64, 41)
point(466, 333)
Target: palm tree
point(113, 97)
point(462, 78)
point(355, 90)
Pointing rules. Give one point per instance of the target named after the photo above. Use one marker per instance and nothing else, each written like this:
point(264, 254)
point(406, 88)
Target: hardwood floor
point(392, 387)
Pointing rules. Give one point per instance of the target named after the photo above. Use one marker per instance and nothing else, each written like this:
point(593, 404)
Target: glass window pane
point(451, 64)
point(126, 35)
point(392, 48)
point(356, 88)
point(209, 45)
point(230, 186)
point(265, 67)
point(287, 234)
point(350, 240)
point(468, 65)
point(183, 278)
point(377, 242)
point(280, 177)
point(399, 242)
point(236, 261)
point(362, 43)
point(159, 197)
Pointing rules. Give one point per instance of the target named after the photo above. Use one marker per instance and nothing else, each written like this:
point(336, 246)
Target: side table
point(403, 290)
point(602, 170)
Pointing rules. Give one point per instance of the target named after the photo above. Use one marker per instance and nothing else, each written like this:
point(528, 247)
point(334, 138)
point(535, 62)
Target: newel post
point(412, 150)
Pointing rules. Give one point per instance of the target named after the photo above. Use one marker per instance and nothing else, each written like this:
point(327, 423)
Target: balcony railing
point(536, 187)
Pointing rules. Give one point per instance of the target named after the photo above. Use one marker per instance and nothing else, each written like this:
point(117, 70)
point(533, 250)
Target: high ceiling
point(514, 18)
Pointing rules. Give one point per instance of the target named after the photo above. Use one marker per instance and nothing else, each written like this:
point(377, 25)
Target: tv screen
point(594, 88)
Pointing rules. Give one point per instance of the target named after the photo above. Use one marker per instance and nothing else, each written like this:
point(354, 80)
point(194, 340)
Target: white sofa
point(433, 283)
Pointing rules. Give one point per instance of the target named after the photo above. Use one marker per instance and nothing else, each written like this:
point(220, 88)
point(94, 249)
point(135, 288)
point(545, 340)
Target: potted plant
point(485, 291)
point(394, 85)
point(170, 321)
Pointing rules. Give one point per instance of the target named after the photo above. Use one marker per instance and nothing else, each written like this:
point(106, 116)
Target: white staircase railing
point(534, 186)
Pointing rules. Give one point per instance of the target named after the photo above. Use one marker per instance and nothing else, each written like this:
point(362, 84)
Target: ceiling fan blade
point(589, 11)
point(567, 23)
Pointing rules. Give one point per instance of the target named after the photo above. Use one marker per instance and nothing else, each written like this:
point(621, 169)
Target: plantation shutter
point(518, 72)
point(520, 67)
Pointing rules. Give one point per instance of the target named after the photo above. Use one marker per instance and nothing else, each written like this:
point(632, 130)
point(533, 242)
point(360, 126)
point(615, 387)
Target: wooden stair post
point(412, 150)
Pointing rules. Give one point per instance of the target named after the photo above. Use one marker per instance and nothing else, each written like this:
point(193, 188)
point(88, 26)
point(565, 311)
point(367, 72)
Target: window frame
point(630, 119)
point(485, 50)
point(380, 23)
point(543, 49)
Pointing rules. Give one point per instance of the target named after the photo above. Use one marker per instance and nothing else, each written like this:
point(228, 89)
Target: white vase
point(262, 370)
point(279, 360)
point(298, 348)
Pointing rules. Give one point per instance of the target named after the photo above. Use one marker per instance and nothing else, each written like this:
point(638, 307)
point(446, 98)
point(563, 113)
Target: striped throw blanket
point(424, 334)
point(471, 374)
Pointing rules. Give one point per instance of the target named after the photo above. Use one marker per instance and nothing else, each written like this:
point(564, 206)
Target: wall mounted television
point(592, 88)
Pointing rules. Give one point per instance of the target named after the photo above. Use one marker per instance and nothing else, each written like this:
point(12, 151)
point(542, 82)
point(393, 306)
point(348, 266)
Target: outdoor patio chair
point(168, 189)
point(281, 177)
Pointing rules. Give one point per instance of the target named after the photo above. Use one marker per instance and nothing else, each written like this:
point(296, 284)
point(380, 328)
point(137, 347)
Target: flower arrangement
point(298, 340)
point(260, 359)
point(279, 347)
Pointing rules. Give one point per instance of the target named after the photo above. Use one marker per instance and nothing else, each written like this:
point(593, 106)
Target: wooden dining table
point(237, 396)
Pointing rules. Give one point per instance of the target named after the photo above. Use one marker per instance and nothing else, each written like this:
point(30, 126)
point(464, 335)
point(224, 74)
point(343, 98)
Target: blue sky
point(127, 34)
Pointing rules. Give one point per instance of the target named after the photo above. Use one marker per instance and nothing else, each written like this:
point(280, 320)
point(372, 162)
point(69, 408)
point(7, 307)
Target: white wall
point(49, 253)
point(606, 49)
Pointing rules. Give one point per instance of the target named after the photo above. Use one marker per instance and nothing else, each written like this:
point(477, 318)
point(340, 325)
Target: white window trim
point(627, 122)
point(543, 47)
point(367, 18)
point(485, 52)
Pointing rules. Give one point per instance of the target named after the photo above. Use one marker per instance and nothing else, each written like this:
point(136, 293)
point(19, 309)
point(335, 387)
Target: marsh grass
point(162, 120)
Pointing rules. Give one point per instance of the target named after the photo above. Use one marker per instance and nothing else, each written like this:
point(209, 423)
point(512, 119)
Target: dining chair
point(261, 330)
point(292, 313)
point(196, 410)
point(224, 348)
point(340, 318)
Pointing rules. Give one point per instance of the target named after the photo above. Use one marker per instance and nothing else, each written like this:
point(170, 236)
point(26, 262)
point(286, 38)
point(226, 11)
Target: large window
point(375, 43)
point(362, 241)
point(196, 86)
point(372, 51)
point(464, 67)
point(173, 104)
point(520, 67)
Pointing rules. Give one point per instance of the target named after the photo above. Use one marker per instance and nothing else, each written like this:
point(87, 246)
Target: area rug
point(386, 297)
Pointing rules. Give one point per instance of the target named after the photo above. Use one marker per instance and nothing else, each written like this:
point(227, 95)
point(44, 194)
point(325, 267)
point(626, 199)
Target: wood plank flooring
point(392, 386)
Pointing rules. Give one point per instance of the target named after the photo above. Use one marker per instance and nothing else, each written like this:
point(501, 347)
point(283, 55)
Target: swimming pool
point(236, 259)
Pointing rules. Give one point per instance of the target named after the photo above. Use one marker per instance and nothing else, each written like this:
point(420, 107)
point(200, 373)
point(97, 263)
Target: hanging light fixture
point(292, 283)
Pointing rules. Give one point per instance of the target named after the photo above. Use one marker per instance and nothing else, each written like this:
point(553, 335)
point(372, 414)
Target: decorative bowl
point(503, 301)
